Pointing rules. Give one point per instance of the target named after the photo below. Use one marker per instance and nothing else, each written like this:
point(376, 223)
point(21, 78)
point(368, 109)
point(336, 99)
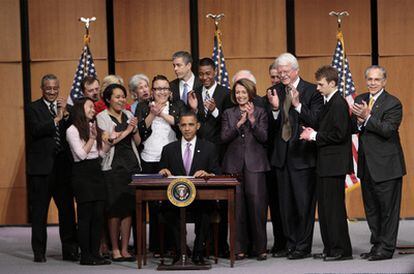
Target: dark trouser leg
point(303, 187)
point(63, 196)
point(279, 242)
point(242, 236)
point(388, 194)
point(40, 198)
point(322, 215)
point(372, 209)
point(334, 218)
point(287, 207)
point(256, 203)
point(201, 211)
point(85, 212)
point(97, 222)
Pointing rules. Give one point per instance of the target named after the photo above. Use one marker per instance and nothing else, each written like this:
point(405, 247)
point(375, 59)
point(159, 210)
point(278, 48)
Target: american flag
point(85, 67)
point(222, 76)
point(347, 88)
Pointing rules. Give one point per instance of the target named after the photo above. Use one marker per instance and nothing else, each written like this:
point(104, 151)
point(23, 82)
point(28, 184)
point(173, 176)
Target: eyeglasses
point(51, 89)
point(161, 89)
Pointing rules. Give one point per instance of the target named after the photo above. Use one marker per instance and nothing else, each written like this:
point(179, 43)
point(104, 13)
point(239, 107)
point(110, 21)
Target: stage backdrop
point(146, 34)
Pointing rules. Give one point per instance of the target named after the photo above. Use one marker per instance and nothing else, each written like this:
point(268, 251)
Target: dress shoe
point(339, 257)
point(39, 258)
point(103, 260)
point(129, 259)
point(366, 255)
point(73, 257)
point(296, 255)
point(92, 261)
point(280, 253)
point(117, 259)
point(262, 257)
point(319, 256)
point(240, 256)
point(198, 259)
point(379, 257)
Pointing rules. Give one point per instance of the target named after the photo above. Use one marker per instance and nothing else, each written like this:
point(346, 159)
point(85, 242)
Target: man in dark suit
point(377, 116)
point(48, 169)
point(209, 101)
point(332, 135)
point(279, 239)
point(291, 104)
point(190, 156)
point(186, 80)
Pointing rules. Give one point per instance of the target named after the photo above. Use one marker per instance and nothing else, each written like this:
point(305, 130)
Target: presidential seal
point(181, 192)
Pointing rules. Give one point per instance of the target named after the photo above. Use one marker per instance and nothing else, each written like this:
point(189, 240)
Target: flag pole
point(339, 36)
point(217, 34)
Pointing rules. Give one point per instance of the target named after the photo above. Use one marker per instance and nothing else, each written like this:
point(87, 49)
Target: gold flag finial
point(339, 15)
point(87, 21)
point(216, 18)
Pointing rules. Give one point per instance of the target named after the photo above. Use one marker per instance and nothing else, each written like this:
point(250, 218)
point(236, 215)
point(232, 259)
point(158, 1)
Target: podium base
point(184, 264)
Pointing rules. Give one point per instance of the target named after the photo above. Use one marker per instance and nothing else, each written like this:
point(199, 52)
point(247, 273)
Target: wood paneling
point(13, 209)
point(358, 64)
point(251, 28)
point(151, 29)
point(56, 33)
point(10, 49)
point(400, 84)
point(259, 68)
point(395, 27)
point(315, 30)
point(64, 70)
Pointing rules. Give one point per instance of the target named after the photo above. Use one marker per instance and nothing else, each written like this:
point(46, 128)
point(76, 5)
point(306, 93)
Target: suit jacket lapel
point(180, 159)
point(378, 102)
point(196, 157)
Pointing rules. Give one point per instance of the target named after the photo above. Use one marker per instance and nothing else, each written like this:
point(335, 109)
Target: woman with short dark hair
point(120, 163)
point(244, 130)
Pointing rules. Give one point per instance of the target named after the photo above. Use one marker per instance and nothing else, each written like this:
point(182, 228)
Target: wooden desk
point(214, 188)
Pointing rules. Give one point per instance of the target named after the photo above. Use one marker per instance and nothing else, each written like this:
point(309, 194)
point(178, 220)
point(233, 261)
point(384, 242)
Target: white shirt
point(210, 93)
point(184, 147)
point(76, 145)
point(190, 84)
point(326, 100)
point(162, 134)
point(375, 99)
point(298, 108)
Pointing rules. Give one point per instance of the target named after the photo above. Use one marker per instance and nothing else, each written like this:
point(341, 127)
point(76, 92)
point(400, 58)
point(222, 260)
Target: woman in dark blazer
point(87, 147)
point(244, 130)
point(158, 126)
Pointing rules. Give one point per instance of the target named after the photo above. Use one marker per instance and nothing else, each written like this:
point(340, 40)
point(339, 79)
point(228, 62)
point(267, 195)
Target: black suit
point(333, 163)
point(210, 131)
point(49, 176)
point(175, 87)
point(295, 162)
point(381, 167)
point(210, 125)
point(204, 158)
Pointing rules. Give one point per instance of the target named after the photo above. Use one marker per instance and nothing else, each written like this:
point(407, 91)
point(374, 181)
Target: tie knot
point(188, 145)
point(52, 106)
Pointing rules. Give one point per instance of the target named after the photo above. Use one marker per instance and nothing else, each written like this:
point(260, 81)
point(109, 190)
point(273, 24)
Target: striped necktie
point(58, 143)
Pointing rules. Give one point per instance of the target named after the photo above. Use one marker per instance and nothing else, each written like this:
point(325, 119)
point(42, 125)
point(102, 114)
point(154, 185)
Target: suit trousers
point(251, 213)
point(332, 216)
point(297, 206)
point(42, 189)
point(382, 202)
point(279, 239)
point(90, 224)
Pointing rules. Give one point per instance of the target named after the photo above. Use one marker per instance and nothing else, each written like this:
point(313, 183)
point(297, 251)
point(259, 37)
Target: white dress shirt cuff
point(215, 113)
point(275, 114)
point(298, 108)
point(313, 136)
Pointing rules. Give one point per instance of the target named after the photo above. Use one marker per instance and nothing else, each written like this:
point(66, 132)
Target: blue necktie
point(184, 98)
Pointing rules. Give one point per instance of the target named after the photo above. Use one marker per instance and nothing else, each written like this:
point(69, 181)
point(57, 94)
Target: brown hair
point(248, 85)
point(328, 72)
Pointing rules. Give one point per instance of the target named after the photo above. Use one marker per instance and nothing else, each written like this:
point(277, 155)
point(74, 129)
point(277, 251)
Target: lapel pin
point(198, 150)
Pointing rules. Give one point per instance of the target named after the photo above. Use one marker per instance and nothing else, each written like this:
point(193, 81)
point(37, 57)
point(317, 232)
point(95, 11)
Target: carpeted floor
point(16, 256)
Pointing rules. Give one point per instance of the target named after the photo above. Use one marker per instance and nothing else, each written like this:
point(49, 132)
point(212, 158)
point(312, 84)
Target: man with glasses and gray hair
point(292, 104)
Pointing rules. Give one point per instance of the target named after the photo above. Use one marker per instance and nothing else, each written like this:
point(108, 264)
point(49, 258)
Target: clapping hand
point(192, 100)
point(273, 99)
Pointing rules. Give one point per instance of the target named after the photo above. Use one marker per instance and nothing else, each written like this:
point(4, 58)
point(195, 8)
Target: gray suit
point(246, 154)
